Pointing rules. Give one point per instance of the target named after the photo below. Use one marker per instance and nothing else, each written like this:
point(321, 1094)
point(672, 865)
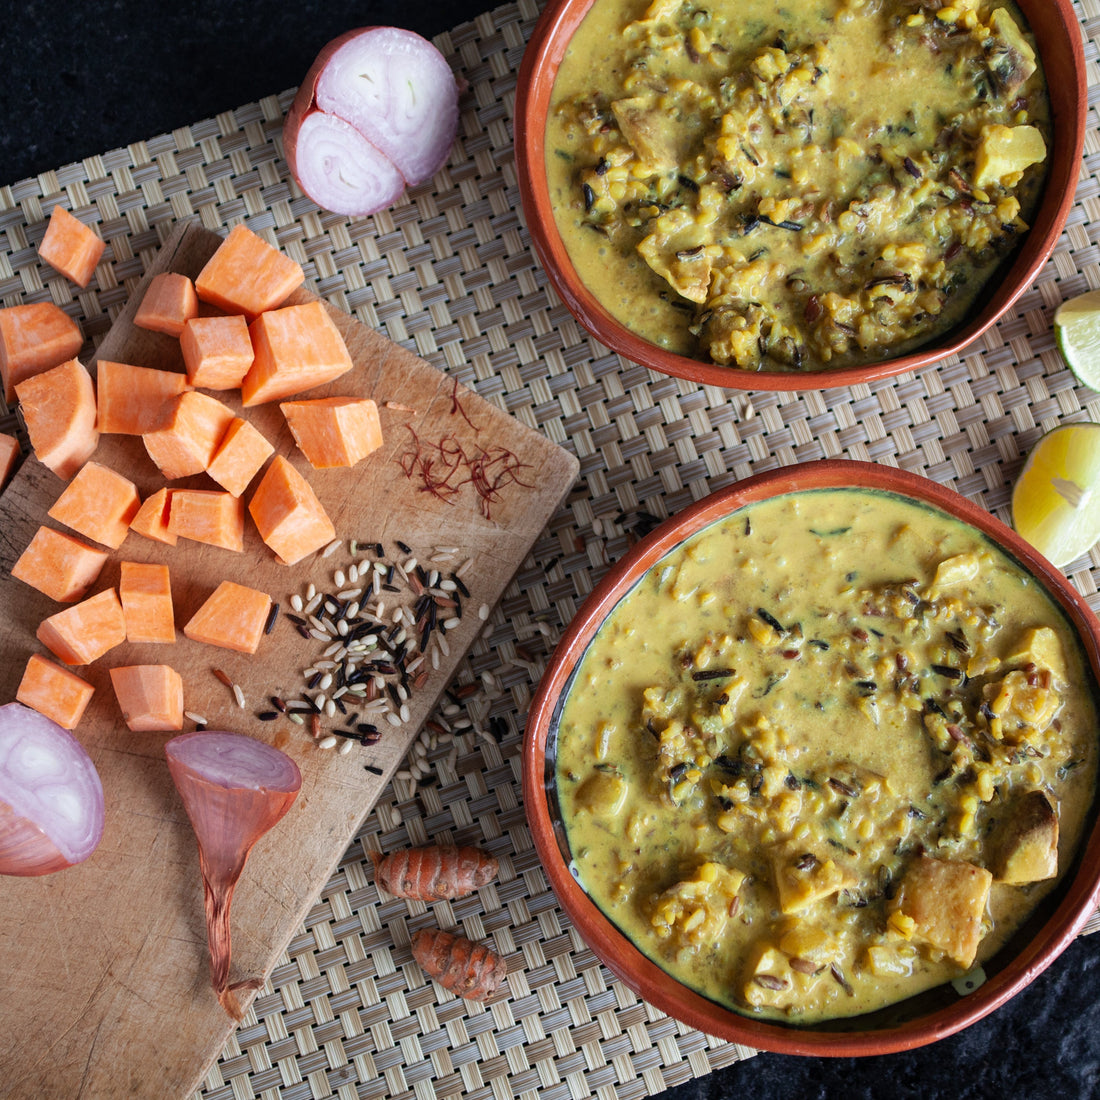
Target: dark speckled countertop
point(79, 79)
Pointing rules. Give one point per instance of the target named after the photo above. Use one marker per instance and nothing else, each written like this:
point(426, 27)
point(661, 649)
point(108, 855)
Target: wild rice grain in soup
point(827, 754)
point(795, 186)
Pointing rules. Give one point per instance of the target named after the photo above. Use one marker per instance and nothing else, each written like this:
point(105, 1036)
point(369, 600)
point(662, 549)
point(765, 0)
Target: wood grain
point(106, 987)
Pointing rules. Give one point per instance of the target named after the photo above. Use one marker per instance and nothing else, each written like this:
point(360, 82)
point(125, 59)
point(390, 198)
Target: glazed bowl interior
point(1058, 35)
point(913, 1022)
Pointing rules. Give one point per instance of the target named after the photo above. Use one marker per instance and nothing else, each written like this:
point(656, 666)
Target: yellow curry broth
point(795, 762)
point(795, 186)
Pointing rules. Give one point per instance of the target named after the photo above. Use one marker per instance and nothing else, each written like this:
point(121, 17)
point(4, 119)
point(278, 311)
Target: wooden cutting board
point(105, 981)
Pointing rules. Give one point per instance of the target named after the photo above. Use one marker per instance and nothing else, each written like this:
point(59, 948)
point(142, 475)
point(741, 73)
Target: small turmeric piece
point(435, 872)
point(470, 970)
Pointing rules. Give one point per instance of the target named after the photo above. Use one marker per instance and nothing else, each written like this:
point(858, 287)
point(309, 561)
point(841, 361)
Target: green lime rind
point(1077, 334)
point(1056, 499)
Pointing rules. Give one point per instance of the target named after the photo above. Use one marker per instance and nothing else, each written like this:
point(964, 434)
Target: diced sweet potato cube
point(152, 518)
point(186, 444)
point(84, 632)
point(1025, 847)
point(59, 565)
point(247, 275)
point(34, 338)
point(287, 513)
point(217, 351)
point(145, 591)
point(233, 617)
point(296, 348)
point(334, 431)
point(149, 696)
point(802, 879)
point(59, 410)
point(9, 457)
point(54, 691)
point(135, 400)
point(98, 503)
point(168, 303)
point(71, 247)
point(207, 515)
point(945, 900)
point(241, 453)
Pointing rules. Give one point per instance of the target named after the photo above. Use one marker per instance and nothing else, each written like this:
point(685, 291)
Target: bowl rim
point(534, 84)
point(1080, 890)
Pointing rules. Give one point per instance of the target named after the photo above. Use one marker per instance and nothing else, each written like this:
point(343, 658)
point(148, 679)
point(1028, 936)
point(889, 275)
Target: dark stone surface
point(82, 78)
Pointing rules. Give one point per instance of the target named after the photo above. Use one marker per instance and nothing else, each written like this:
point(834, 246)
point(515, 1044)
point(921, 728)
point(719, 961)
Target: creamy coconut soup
point(795, 185)
point(827, 754)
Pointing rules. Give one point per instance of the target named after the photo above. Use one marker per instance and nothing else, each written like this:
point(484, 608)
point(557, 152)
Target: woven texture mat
point(450, 274)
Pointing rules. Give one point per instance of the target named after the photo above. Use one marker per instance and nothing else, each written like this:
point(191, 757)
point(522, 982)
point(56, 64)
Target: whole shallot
point(234, 788)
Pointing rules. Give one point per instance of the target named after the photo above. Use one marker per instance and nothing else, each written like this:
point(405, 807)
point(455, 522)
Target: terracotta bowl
point(921, 1019)
point(1058, 34)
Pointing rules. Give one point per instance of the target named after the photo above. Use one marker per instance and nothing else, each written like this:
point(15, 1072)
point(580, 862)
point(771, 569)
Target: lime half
point(1077, 332)
point(1056, 501)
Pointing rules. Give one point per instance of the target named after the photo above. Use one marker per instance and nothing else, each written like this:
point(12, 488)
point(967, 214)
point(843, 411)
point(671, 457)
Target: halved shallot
point(51, 798)
point(377, 111)
point(234, 788)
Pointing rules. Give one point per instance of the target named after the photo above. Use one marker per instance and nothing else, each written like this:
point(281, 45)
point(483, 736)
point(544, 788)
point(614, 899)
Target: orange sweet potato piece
point(241, 453)
point(168, 303)
point(334, 431)
point(207, 515)
point(187, 442)
point(233, 617)
point(145, 591)
point(247, 275)
point(287, 513)
point(33, 338)
point(135, 400)
point(59, 410)
point(217, 351)
point(71, 247)
point(98, 503)
point(54, 691)
point(296, 348)
point(9, 457)
point(59, 565)
point(149, 696)
point(84, 632)
point(152, 518)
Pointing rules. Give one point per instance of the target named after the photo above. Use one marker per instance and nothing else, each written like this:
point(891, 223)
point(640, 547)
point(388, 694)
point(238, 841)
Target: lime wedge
point(1077, 333)
point(1056, 500)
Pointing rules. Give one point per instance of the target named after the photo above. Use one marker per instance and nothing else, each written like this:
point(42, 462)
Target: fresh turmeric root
point(437, 872)
point(470, 970)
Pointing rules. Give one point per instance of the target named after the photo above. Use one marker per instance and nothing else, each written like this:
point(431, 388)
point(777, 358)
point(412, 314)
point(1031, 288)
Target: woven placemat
point(449, 273)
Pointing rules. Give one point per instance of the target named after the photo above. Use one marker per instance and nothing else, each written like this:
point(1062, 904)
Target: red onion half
point(234, 789)
point(51, 797)
point(377, 111)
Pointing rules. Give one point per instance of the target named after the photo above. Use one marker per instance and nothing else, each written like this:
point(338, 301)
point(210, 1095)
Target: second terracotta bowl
point(920, 1020)
point(1058, 35)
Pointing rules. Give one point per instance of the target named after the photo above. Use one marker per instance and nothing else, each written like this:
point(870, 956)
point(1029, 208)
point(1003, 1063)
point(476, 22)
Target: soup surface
point(792, 186)
point(826, 754)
